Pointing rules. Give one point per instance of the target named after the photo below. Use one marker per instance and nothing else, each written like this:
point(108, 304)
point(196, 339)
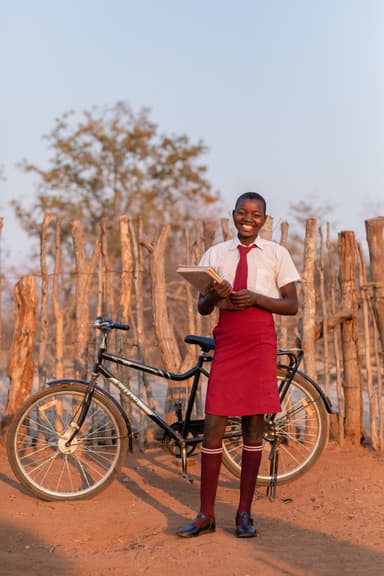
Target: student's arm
point(287, 304)
point(212, 296)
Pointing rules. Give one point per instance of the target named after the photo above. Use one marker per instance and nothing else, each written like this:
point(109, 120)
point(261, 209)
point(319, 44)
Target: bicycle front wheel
point(301, 430)
point(37, 439)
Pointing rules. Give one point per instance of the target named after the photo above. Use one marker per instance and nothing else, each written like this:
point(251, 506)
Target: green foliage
point(111, 162)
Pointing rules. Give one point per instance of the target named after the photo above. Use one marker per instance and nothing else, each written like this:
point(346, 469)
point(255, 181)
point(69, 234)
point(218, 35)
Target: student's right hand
point(220, 290)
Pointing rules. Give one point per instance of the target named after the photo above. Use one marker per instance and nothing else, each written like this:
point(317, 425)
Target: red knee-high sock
point(250, 463)
point(210, 469)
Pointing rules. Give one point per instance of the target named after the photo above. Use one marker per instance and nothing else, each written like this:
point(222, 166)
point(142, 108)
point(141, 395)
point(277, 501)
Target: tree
point(310, 208)
point(114, 162)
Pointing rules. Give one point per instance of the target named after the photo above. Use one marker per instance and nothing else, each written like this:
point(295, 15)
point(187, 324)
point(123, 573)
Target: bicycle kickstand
point(184, 463)
point(274, 458)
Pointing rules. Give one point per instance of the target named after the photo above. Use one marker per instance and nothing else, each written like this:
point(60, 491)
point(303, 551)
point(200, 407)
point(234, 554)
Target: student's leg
point(252, 428)
point(211, 456)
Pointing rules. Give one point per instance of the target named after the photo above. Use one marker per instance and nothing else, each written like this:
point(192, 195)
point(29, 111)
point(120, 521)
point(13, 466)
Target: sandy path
point(334, 524)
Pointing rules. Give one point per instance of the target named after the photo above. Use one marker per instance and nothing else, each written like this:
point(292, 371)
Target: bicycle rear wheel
point(36, 443)
point(301, 428)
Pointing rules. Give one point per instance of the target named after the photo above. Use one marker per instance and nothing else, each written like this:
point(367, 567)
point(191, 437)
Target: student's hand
point(219, 290)
point(287, 303)
point(242, 299)
point(216, 293)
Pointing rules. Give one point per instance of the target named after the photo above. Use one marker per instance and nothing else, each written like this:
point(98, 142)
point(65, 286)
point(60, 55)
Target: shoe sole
point(246, 535)
point(204, 531)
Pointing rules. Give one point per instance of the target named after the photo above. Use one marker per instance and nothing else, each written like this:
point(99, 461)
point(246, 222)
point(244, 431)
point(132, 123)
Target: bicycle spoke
point(34, 456)
point(69, 475)
point(86, 464)
point(83, 473)
point(44, 461)
point(299, 432)
point(102, 455)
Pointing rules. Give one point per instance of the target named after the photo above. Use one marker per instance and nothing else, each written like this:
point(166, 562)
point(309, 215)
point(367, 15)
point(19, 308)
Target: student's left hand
point(242, 299)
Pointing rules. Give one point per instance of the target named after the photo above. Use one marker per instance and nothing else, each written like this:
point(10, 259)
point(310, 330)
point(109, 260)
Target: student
point(259, 281)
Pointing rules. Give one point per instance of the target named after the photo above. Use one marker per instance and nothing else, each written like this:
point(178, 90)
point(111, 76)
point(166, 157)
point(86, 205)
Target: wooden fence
point(340, 322)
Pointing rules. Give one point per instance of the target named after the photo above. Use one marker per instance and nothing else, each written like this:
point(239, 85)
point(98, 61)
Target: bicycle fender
point(85, 383)
point(323, 396)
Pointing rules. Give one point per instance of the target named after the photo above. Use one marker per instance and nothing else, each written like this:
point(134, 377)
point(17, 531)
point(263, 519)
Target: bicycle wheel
point(301, 429)
point(36, 443)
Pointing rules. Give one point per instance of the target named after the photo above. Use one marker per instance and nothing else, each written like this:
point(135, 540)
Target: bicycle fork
point(76, 425)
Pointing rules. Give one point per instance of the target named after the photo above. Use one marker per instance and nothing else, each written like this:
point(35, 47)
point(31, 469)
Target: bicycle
point(70, 440)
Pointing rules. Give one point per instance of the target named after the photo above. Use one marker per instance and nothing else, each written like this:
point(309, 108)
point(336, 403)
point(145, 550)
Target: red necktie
point(241, 275)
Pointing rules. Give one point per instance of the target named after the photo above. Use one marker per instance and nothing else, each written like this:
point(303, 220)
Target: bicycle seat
point(205, 343)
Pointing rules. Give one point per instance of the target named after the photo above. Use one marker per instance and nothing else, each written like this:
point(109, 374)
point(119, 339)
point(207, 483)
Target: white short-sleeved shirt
point(270, 265)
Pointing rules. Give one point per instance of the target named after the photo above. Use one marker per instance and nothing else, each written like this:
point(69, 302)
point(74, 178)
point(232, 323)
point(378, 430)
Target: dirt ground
point(328, 523)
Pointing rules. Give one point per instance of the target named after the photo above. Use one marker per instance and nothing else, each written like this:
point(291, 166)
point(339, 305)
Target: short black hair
point(252, 196)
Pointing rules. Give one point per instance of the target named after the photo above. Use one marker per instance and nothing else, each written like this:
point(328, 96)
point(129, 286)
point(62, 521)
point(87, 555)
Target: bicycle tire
point(302, 427)
point(36, 443)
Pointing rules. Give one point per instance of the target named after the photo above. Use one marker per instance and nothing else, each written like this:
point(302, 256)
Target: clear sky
point(288, 95)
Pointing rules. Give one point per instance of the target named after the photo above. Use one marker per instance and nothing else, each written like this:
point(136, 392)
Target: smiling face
point(248, 217)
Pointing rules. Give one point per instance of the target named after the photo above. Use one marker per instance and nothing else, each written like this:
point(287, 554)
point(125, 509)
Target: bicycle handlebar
point(106, 324)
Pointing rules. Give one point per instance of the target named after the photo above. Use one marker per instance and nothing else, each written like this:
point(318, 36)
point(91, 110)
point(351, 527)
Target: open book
point(199, 276)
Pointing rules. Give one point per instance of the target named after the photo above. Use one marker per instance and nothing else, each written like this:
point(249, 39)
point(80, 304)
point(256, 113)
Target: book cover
point(199, 277)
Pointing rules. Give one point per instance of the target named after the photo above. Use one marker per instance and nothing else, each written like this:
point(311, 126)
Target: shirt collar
point(234, 243)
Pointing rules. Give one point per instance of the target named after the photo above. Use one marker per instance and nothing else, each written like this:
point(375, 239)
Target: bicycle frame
point(195, 372)
point(206, 344)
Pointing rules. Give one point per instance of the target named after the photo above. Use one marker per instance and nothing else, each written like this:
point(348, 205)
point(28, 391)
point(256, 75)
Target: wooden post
point(85, 270)
point(336, 342)
point(57, 309)
point(125, 300)
point(309, 308)
point(324, 310)
point(379, 391)
point(282, 323)
point(225, 228)
point(284, 228)
point(375, 238)
point(266, 231)
point(42, 368)
point(1, 285)
point(106, 273)
point(21, 366)
point(163, 329)
point(142, 339)
point(165, 334)
point(145, 432)
point(190, 298)
point(350, 339)
point(192, 351)
point(367, 347)
point(106, 303)
point(126, 270)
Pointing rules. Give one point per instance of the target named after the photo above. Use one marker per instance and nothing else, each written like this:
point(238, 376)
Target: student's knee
point(253, 428)
point(214, 427)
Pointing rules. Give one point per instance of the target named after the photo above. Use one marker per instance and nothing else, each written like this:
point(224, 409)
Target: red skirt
point(243, 379)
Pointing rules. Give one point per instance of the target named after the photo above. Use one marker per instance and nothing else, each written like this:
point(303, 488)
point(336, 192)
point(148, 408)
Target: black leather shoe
point(244, 525)
point(200, 524)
